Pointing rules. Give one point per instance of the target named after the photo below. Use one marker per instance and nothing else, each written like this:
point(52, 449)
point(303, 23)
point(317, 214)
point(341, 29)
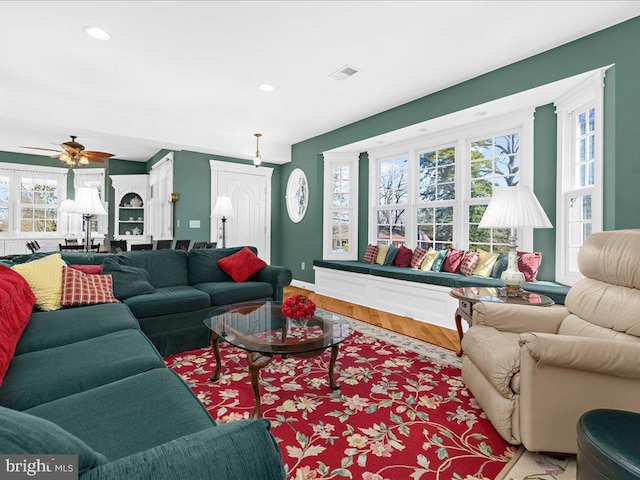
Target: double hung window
point(434, 196)
point(340, 222)
point(580, 165)
point(29, 199)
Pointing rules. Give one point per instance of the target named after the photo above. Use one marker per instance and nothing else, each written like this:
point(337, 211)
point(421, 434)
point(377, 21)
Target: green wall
point(302, 242)
point(192, 181)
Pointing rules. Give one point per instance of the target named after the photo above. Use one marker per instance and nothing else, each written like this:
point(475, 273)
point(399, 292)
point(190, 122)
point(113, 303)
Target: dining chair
point(116, 246)
point(199, 245)
point(163, 244)
point(141, 246)
point(182, 245)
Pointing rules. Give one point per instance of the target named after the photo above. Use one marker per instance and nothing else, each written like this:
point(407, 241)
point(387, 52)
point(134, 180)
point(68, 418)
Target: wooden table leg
point(256, 361)
point(332, 364)
point(215, 338)
point(458, 319)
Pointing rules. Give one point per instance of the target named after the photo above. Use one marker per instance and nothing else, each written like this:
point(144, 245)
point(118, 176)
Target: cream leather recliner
point(536, 370)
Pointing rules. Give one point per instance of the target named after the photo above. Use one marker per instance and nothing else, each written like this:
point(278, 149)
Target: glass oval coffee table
point(262, 330)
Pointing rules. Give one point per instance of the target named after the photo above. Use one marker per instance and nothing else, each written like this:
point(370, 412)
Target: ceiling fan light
point(65, 157)
point(84, 160)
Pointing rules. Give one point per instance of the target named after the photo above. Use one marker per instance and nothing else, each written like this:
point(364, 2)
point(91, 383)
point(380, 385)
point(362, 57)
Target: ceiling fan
point(73, 153)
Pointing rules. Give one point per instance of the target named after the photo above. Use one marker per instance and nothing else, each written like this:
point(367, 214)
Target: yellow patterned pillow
point(44, 276)
point(429, 259)
point(485, 264)
point(382, 254)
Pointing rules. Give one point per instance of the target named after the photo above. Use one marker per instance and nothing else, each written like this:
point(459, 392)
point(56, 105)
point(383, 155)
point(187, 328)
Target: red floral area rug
point(398, 414)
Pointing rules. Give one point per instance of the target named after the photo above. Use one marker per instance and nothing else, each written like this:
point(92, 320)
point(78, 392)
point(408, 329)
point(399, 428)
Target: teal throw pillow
point(21, 433)
point(391, 255)
point(502, 262)
point(127, 281)
point(439, 261)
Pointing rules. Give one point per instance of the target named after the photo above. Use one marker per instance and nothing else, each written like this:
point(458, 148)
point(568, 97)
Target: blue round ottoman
point(608, 445)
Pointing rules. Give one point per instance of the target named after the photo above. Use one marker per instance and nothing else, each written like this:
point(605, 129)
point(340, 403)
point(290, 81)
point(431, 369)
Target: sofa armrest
point(581, 353)
point(519, 318)
point(242, 449)
point(278, 277)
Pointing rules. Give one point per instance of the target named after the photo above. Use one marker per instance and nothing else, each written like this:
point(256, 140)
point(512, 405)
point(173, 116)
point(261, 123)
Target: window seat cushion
point(556, 291)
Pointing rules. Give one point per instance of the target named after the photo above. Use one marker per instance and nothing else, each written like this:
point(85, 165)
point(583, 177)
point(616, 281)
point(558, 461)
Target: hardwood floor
point(442, 337)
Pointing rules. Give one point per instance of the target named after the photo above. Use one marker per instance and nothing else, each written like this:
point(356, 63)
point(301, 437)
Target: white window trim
point(351, 160)
point(460, 138)
point(15, 171)
point(591, 91)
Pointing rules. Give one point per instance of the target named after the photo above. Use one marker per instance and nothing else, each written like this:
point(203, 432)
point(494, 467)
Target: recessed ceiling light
point(97, 33)
point(379, 141)
point(265, 87)
point(481, 113)
point(422, 130)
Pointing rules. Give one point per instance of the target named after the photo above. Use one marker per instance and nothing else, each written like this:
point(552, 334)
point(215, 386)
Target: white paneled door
point(250, 191)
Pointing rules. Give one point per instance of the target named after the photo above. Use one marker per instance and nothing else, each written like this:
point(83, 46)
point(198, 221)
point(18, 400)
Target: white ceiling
point(184, 75)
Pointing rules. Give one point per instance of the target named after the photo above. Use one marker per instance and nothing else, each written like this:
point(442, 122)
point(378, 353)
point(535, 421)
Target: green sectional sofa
point(188, 285)
point(90, 381)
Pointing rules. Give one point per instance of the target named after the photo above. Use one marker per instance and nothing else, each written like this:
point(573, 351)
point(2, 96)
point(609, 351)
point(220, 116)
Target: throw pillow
point(486, 261)
point(403, 258)
point(431, 256)
point(502, 262)
point(469, 263)
point(418, 257)
point(370, 254)
point(391, 255)
point(242, 266)
point(90, 269)
point(439, 261)
point(528, 264)
point(79, 288)
point(21, 433)
point(16, 303)
point(44, 277)
point(382, 254)
point(127, 281)
point(452, 262)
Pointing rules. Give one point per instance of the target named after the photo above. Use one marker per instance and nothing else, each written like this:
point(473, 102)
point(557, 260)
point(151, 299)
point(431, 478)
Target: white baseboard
point(302, 284)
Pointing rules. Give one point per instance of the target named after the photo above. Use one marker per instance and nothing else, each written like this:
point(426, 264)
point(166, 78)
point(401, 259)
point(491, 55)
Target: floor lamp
point(89, 205)
point(514, 207)
point(223, 209)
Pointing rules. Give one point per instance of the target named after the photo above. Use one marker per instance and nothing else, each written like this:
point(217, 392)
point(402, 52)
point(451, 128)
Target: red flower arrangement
point(298, 307)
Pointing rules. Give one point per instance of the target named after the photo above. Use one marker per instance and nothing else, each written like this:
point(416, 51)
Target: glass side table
point(467, 296)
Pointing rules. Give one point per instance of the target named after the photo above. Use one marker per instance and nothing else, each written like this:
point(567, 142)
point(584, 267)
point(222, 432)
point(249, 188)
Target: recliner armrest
point(516, 318)
point(597, 355)
point(242, 449)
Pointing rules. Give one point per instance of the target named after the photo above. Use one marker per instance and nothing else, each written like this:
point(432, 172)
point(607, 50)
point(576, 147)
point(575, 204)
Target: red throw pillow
point(16, 303)
point(418, 257)
point(90, 269)
point(469, 263)
point(403, 258)
point(528, 264)
point(243, 265)
point(79, 288)
point(370, 254)
point(453, 260)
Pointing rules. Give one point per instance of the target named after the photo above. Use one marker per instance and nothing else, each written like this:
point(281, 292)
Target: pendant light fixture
point(257, 159)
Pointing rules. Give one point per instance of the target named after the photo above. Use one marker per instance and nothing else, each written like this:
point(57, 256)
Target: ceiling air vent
point(344, 72)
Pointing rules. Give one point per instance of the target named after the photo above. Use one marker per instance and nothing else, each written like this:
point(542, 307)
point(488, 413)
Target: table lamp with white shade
point(514, 207)
point(87, 203)
point(224, 209)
